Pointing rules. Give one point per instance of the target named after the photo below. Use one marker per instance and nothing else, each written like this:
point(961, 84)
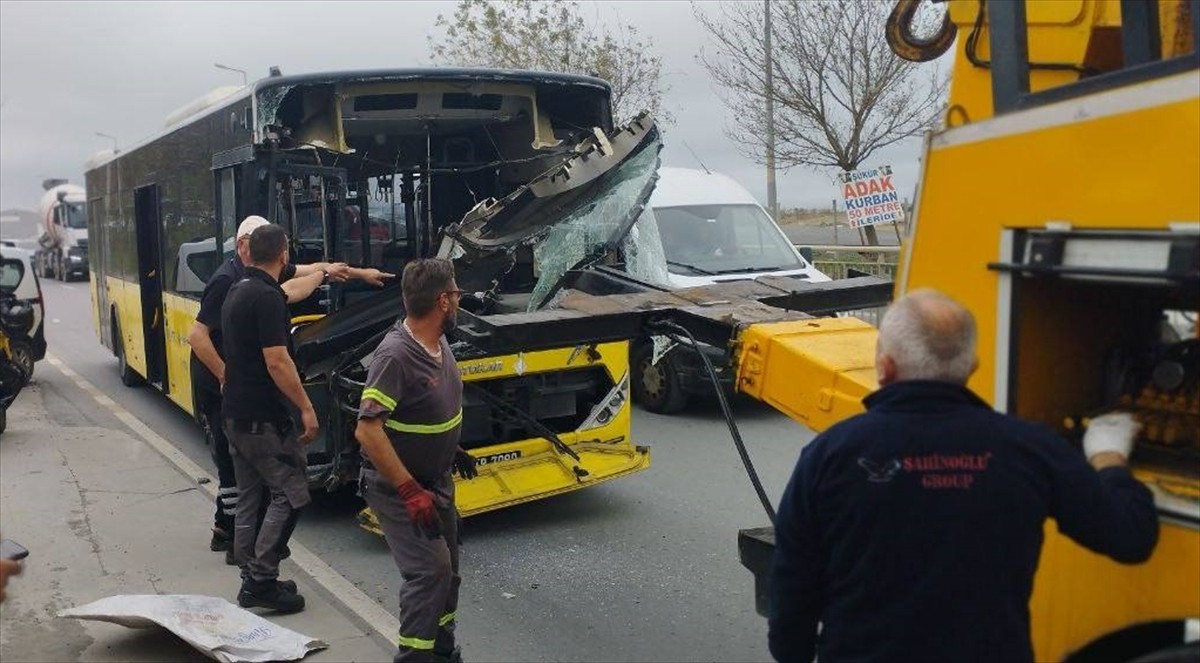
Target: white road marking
point(357, 602)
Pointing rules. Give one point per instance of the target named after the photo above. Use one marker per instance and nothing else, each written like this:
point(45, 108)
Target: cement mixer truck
point(62, 251)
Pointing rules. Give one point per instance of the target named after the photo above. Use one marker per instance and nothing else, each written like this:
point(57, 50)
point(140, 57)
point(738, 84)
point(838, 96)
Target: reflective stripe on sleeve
point(379, 397)
point(415, 643)
point(425, 429)
point(446, 618)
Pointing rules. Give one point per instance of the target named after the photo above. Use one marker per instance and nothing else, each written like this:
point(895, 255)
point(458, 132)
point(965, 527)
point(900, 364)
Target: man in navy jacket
point(912, 531)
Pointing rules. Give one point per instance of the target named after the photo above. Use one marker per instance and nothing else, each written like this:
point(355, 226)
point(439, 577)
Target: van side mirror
point(807, 254)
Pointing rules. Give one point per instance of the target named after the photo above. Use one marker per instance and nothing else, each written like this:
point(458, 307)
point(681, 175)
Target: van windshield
point(722, 239)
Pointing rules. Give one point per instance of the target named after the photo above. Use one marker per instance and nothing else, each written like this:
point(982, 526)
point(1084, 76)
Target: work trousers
point(227, 491)
point(263, 455)
point(429, 567)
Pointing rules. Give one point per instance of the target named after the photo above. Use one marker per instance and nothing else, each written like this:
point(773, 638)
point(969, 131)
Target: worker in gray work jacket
point(409, 421)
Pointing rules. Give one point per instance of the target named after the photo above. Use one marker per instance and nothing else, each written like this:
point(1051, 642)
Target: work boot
point(220, 540)
point(269, 594)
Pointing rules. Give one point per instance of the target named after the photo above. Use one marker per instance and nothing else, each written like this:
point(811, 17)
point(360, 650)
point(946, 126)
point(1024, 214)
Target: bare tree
point(839, 92)
point(553, 36)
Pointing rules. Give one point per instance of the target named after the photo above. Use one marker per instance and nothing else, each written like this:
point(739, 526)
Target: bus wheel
point(129, 377)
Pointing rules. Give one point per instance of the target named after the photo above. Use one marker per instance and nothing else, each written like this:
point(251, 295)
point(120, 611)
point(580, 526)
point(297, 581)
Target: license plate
point(499, 458)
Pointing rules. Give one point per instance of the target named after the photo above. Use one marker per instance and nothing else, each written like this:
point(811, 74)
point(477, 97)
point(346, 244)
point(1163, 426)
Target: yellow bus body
point(524, 470)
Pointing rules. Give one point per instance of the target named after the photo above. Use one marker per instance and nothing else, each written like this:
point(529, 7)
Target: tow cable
point(675, 329)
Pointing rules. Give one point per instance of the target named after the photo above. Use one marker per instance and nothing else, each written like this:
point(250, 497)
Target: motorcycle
point(12, 378)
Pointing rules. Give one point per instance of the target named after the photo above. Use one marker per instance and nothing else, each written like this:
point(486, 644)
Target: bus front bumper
point(507, 483)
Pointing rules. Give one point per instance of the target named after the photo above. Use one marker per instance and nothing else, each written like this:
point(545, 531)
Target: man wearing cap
point(208, 364)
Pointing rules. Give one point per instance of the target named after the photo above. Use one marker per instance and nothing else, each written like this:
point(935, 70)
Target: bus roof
point(436, 74)
point(461, 74)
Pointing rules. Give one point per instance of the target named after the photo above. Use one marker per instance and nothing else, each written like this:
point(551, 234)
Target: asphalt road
point(643, 568)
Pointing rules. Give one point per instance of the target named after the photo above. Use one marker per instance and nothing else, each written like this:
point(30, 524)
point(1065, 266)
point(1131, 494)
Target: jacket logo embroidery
point(880, 472)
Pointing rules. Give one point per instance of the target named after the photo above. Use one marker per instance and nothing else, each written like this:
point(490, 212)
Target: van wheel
point(656, 386)
point(129, 377)
point(22, 356)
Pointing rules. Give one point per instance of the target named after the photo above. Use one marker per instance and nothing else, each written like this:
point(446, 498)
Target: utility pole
point(772, 201)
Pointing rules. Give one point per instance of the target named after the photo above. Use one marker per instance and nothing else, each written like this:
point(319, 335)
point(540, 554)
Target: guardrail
point(838, 260)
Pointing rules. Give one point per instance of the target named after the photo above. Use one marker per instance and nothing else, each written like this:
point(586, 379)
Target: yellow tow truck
point(1061, 204)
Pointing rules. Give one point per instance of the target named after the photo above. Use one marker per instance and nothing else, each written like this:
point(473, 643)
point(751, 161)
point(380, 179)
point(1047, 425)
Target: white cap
point(251, 224)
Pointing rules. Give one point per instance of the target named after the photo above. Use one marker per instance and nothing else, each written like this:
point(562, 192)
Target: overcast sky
point(71, 69)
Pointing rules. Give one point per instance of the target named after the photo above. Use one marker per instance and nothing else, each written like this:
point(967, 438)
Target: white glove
point(1110, 432)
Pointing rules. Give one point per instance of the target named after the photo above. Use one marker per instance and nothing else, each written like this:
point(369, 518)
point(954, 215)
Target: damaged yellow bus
point(518, 177)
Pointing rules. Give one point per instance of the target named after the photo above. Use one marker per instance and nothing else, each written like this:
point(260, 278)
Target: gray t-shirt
point(421, 396)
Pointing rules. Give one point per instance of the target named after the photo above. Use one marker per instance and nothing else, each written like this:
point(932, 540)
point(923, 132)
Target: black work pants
point(265, 456)
point(209, 404)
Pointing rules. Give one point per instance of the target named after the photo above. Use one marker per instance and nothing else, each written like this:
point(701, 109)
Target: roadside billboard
point(871, 197)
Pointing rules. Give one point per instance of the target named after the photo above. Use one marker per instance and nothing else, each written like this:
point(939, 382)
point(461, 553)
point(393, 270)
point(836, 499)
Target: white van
point(712, 230)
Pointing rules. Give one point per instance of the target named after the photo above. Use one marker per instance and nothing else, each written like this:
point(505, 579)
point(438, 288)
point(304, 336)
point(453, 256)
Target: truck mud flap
point(508, 482)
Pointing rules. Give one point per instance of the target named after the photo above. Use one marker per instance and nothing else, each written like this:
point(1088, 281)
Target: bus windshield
point(721, 239)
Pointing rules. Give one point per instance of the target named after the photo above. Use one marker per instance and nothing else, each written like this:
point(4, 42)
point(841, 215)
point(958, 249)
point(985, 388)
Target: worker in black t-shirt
point(208, 365)
point(260, 381)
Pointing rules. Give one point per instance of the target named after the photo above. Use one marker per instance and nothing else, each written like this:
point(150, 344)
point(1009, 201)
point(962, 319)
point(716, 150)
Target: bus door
point(149, 259)
point(309, 202)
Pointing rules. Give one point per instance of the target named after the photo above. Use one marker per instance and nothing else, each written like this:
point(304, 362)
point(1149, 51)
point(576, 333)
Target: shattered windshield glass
point(645, 257)
point(586, 231)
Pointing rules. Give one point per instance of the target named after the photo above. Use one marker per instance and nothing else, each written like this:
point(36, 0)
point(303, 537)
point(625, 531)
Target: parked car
point(712, 231)
point(22, 312)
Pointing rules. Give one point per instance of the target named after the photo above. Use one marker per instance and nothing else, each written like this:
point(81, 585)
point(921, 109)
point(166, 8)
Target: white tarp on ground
point(213, 625)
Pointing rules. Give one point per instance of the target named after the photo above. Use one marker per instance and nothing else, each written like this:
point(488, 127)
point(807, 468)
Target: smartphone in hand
point(10, 549)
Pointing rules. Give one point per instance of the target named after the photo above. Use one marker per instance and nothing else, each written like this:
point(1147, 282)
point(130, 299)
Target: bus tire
point(129, 377)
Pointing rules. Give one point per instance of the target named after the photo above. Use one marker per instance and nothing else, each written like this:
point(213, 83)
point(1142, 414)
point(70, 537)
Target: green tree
point(555, 37)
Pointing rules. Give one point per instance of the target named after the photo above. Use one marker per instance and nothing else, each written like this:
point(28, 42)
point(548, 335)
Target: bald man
point(912, 531)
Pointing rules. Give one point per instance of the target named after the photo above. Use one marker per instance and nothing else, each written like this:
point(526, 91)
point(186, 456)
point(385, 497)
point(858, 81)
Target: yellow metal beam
point(819, 369)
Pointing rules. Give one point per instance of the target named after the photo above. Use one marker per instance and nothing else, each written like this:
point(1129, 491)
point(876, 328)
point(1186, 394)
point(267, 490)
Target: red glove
point(421, 511)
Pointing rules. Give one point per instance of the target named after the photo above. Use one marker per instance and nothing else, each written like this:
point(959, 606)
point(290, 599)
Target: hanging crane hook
point(907, 45)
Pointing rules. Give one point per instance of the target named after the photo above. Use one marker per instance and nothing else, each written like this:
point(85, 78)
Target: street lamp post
point(772, 199)
point(112, 138)
point(243, 73)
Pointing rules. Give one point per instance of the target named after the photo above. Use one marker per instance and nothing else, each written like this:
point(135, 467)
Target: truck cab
point(62, 251)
